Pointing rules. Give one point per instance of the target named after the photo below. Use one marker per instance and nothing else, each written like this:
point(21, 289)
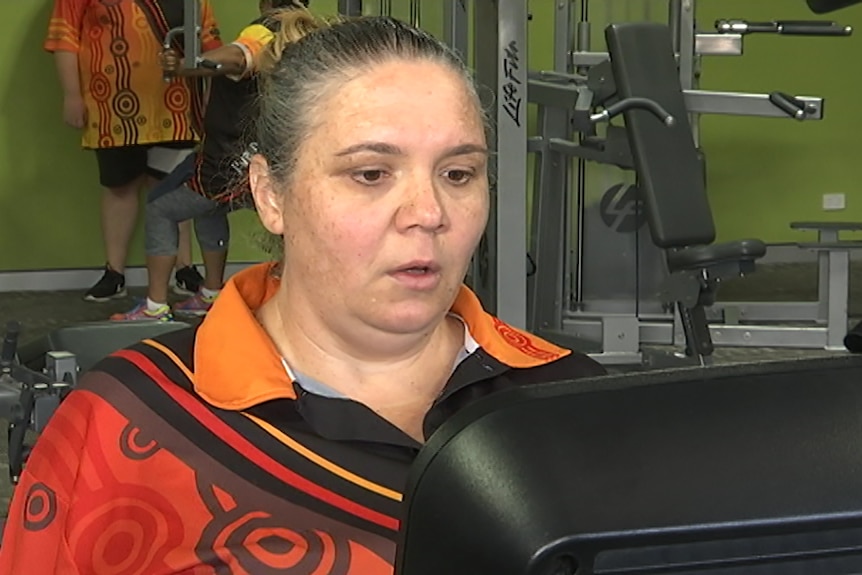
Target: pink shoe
point(141, 313)
point(198, 304)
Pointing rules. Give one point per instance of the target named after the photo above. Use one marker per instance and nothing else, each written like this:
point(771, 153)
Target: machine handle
point(784, 27)
point(644, 103)
point(10, 344)
point(803, 28)
point(793, 107)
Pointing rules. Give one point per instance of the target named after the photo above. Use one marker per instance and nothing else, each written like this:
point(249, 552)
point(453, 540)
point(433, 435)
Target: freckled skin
point(349, 221)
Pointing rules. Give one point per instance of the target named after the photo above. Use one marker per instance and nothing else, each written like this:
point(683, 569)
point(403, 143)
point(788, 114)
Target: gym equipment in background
point(35, 377)
point(190, 32)
point(602, 282)
point(749, 469)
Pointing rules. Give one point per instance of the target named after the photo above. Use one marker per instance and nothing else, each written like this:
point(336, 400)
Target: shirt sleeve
point(35, 537)
point(210, 35)
point(64, 28)
point(252, 40)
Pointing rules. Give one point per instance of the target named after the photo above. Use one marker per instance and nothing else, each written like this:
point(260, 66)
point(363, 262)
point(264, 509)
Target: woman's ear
point(266, 198)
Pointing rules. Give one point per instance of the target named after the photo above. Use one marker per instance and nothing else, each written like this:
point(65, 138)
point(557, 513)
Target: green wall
point(763, 173)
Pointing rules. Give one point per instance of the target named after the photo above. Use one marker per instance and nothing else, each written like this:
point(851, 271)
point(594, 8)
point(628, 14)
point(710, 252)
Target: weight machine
point(601, 281)
point(35, 377)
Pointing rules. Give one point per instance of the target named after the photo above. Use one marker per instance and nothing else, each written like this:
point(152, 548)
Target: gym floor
point(42, 312)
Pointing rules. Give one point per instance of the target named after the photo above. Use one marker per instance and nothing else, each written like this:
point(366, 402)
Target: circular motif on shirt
point(40, 507)
point(110, 70)
point(106, 142)
point(166, 124)
point(141, 120)
point(127, 528)
point(100, 87)
point(96, 31)
point(261, 545)
point(135, 445)
point(177, 97)
point(126, 104)
point(119, 46)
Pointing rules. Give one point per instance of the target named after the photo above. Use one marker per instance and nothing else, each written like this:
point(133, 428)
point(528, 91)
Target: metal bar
point(661, 333)
point(839, 279)
point(549, 225)
point(483, 271)
point(350, 7)
point(823, 276)
point(686, 44)
point(768, 336)
point(718, 44)
point(416, 13)
point(456, 26)
point(674, 9)
point(191, 33)
point(777, 311)
point(742, 104)
point(512, 162)
point(705, 45)
point(688, 60)
point(697, 101)
point(562, 35)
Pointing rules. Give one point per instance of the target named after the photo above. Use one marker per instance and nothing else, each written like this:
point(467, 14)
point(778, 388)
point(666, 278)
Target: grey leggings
point(164, 214)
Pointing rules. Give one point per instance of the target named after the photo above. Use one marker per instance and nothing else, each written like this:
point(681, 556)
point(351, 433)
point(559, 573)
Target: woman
point(278, 436)
point(139, 126)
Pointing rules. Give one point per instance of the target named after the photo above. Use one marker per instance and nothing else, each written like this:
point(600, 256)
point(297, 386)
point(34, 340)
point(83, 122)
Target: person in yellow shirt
point(204, 187)
point(141, 127)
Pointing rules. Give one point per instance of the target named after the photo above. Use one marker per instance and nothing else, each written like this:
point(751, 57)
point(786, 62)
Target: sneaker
point(187, 281)
point(111, 286)
point(198, 304)
point(141, 313)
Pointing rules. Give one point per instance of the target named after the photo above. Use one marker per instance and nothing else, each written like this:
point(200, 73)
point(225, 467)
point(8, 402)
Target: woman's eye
point(369, 177)
point(458, 177)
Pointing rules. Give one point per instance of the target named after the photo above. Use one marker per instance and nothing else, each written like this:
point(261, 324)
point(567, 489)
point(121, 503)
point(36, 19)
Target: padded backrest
point(670, 174)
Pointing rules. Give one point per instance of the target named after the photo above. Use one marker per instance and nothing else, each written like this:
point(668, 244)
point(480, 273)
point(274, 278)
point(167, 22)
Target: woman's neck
point(385, 371)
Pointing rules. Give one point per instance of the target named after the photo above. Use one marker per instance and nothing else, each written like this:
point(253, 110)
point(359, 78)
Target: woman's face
point(388, 201)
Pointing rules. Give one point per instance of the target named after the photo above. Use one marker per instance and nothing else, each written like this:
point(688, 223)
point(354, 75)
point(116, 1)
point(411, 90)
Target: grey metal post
point(512, 162)
point(498, 273)
point(687, 57)
point(483, 271)
point(350, 7)
point(456, 26)
point(191, 36)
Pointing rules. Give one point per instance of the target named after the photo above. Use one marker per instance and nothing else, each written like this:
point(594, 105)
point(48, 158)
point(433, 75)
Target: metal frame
point(613, 329)
point(498, 273)
point(456, 26)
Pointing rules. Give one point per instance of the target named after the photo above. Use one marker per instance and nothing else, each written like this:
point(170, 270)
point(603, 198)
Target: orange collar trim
point(238, 366)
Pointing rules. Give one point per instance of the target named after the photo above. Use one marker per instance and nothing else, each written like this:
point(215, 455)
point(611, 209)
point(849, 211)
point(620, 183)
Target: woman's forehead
point(403, 99)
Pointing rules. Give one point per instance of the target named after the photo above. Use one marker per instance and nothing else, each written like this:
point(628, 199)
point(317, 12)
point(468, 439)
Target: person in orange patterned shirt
point(277, 437)
point(140, 126)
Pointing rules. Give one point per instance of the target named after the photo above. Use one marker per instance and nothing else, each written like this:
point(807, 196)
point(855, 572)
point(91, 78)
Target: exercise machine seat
point(698, 257)
point(671, 178)
point(749, 469)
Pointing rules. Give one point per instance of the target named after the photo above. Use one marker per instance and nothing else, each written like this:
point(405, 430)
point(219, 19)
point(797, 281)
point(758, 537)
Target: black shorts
point(123, 165)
